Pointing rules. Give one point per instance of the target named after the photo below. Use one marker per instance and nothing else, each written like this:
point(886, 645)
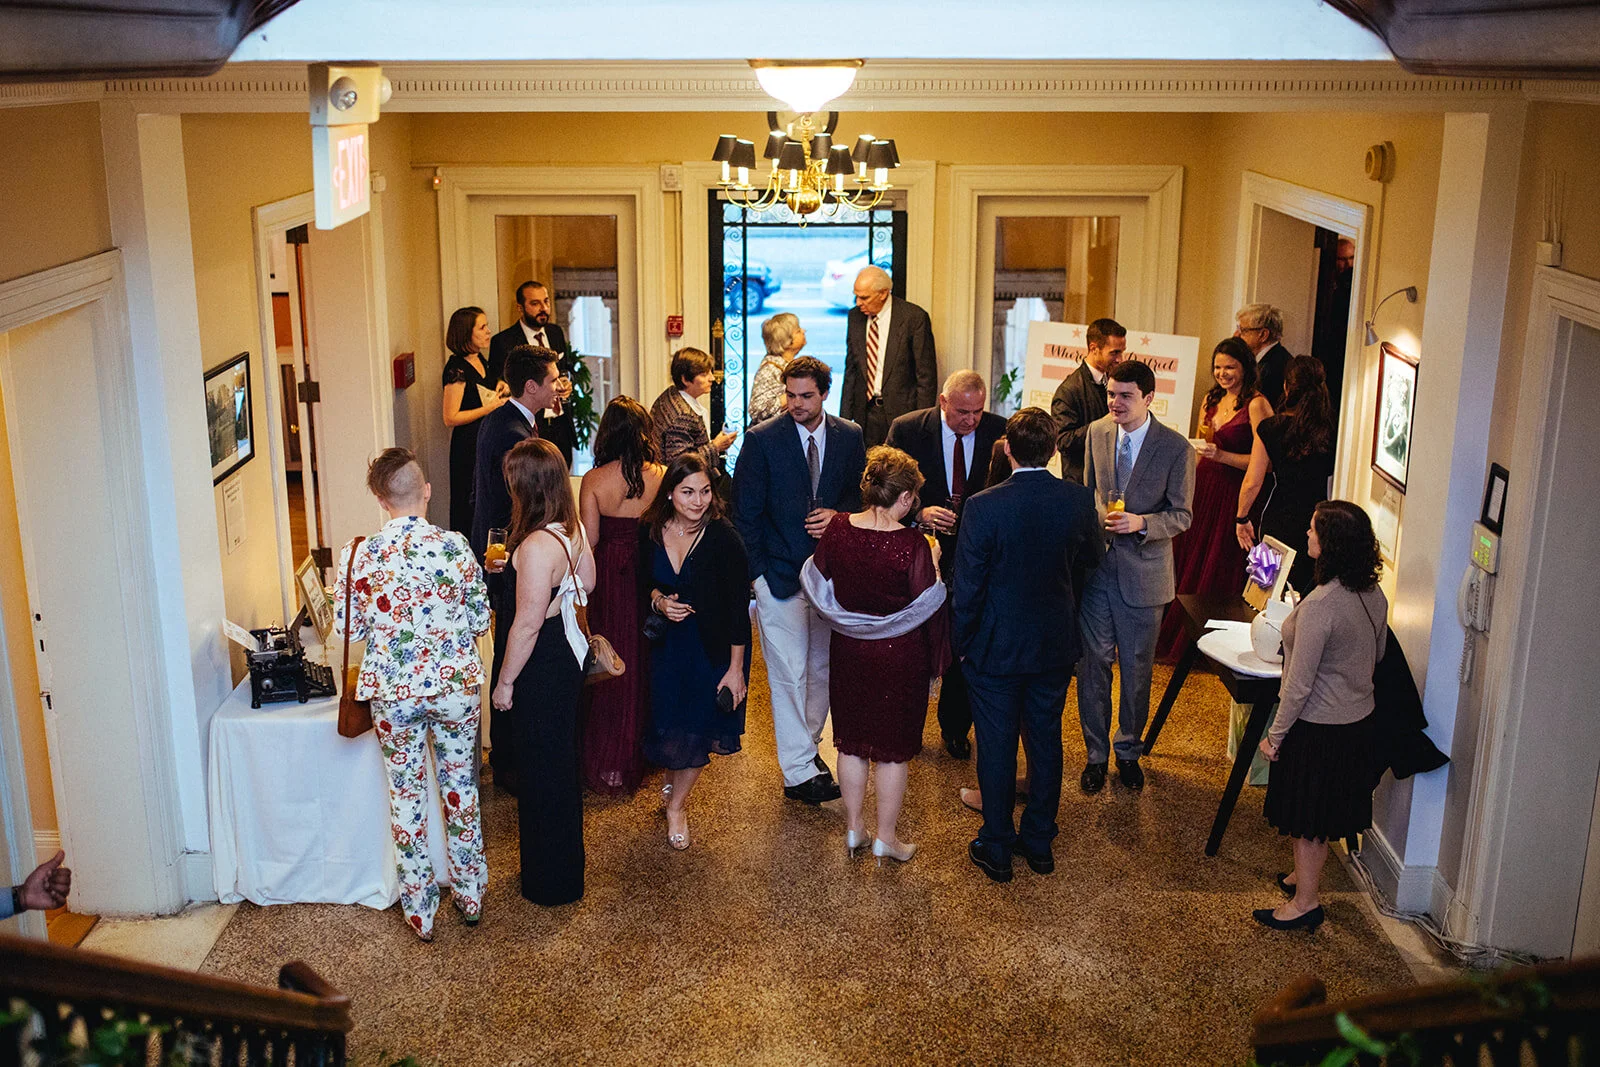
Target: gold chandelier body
point(807, 184)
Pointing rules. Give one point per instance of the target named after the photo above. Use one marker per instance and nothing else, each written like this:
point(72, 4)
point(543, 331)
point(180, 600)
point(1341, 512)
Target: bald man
point(951, 444)
point(890, 366)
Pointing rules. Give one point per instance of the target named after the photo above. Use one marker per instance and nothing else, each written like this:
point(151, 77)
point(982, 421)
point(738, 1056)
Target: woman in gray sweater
point(1322, 741)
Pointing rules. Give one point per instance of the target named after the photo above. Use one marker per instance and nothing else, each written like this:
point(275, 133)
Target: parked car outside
point(839, 277)
point(748, 292)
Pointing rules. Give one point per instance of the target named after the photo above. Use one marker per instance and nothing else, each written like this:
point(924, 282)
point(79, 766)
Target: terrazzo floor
point(763, 944)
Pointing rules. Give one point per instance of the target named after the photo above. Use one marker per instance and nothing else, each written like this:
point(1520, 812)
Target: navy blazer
point(771, 489)
point(1014, 607)
point(499, 431)
point(558, 430)
point(920, 434)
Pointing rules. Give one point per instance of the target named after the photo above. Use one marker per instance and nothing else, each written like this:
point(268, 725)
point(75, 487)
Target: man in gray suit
point(1130, 459)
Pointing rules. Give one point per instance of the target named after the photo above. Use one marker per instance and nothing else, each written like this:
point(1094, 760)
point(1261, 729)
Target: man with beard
point(534, 327)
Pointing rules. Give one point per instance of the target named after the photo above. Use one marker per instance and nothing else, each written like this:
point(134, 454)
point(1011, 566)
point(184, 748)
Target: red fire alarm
point(405, 369)
point(674, 325)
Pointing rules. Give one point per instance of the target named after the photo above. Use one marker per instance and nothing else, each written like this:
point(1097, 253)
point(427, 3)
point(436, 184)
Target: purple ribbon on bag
point(1261, 566)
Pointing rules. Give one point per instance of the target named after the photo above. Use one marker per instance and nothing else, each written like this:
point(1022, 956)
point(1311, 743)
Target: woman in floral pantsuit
point(417, 598)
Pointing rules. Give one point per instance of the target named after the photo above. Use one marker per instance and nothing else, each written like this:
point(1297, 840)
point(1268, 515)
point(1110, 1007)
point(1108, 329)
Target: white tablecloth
point(300, 814)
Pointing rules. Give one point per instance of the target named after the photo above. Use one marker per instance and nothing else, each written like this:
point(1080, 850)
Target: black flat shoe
point(1288, 890)
point(958, 747)
point(995, 869)
point(1093, 778)
point(1309, 921)
point(1130, 774)
point(818, 790)
point(1042, 862)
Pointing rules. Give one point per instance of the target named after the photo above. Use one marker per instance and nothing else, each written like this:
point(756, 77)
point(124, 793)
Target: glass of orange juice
point(495, 552)
point(1114, 501)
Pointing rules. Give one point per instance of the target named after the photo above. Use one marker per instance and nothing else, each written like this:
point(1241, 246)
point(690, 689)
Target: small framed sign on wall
point(1397, 405)
point(230, 423)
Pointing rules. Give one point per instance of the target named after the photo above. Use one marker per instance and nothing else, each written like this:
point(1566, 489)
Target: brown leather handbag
point(355, 716)
point(603, 661)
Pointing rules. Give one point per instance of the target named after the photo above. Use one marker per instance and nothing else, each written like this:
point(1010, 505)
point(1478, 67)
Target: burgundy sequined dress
point(879, 689)
point(1206, 557)
point(613, 762)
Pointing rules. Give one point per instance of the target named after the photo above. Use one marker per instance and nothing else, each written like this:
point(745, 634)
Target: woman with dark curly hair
point(1322, 741)
point(613, 495)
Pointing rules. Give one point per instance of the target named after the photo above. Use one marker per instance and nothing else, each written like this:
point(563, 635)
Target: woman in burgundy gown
point(877, 584)
point(1206, 557)
point(612, 497)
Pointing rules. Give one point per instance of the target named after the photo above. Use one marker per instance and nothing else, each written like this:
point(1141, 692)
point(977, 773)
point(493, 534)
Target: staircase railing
point(1547, 1014)
point(72, 997)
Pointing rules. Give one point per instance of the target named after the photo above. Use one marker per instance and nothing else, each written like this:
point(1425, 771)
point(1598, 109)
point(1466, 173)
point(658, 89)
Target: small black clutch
point(725, 700)
point(655, 628)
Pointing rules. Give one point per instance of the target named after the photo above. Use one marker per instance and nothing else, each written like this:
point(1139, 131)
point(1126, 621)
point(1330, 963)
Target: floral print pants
point(403, 729)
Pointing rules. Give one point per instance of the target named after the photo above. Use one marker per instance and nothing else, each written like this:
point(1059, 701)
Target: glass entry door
point(767, 263)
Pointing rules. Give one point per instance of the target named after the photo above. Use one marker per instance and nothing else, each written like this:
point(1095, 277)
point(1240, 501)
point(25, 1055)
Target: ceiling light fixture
point(809, 172)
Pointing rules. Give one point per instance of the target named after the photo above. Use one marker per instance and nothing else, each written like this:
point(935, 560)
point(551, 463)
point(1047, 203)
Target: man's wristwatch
point(16, 900)
point(1241, 520)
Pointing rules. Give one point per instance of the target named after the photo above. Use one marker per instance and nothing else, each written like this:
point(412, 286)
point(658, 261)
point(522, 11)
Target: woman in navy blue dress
point(698, 583)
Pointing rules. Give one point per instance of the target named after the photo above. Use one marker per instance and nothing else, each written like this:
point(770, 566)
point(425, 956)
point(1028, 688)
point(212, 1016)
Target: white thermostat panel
point(1485, 548)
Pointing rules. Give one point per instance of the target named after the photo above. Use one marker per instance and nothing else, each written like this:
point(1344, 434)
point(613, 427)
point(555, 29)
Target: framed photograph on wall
point(1397, 404)
point(308, 587)
point(229, 419)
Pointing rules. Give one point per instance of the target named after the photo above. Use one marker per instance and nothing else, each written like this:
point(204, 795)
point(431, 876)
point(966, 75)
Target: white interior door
point(1284, 274)
point(80, 616)
point(1133, 273)
point(352, 422)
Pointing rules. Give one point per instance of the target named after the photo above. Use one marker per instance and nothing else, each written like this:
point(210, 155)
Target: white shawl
point(819, 591)
point(571, 592)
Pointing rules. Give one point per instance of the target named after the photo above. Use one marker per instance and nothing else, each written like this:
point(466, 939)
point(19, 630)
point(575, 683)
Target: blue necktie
point(1124, 463)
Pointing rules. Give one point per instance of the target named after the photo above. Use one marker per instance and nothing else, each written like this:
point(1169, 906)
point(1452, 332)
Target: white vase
point(1266, 631)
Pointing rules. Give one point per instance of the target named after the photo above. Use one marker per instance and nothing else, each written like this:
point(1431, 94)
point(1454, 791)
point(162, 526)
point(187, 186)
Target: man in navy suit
point(794, 474)
point(530, 373)
point(1015, 619)
point(952, 444)
point(533, 327)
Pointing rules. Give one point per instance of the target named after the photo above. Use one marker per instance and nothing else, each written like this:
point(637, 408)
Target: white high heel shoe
point(882, 851)
point(855, 841)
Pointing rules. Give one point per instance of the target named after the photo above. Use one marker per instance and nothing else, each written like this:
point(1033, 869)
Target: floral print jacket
point(418, 600)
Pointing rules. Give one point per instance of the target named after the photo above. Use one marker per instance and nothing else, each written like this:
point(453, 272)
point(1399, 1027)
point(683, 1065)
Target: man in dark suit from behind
point(533, 327)
point(1014, 611)
point(795, 473)
point(951, 444)
point(890, 366)
point(1261, 327)
point(530, 373)
point(1081, 396)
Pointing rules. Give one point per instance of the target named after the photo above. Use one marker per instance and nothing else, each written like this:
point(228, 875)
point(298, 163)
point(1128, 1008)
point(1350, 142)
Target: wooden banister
point(305, 1010)
point(1297, 1025)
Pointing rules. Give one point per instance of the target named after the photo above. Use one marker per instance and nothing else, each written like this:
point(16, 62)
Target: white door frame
point(1160, 187)
point(1347, 218)
point(643, 361)
point(1533, 509)
point(96, 284)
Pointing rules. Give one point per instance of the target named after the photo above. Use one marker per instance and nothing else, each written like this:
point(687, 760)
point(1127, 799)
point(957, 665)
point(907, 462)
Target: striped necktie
point(872, 357)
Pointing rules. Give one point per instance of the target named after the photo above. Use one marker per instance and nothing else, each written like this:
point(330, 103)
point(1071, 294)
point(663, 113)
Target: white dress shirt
point(969, 443)
point(875, 387)
point(821, 436)
point(696, 407)
point(536, 336)
point(525, 413)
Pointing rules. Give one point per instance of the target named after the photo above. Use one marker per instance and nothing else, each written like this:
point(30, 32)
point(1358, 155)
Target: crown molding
point(884, 85)
point(41, 93)
point(1563, 92)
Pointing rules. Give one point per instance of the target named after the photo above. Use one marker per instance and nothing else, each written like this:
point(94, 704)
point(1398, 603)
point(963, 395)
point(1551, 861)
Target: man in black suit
point(890, 366)
point(1014, 612)
point(1081, 396)
point(1261, 327)
point(951, 444)
point(530, 373)
point(533, 327)
point(794, 474)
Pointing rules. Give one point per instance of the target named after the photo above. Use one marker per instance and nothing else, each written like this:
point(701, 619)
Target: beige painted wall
point(53, 206)
point(19, 649)
point(1564, 138)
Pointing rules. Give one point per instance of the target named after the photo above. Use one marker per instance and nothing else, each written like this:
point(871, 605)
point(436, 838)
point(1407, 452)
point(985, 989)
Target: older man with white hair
point(890, 366)
point(1261, 327)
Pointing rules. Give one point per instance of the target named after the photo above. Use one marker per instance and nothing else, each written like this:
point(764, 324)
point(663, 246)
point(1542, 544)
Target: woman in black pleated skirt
point(1322, 742)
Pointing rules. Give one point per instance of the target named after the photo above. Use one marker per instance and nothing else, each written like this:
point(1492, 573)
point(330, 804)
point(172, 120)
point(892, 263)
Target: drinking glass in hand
point(1115, 502)
point(495, 551)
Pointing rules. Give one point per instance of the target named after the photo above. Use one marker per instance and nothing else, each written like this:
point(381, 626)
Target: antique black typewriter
point(280, 671)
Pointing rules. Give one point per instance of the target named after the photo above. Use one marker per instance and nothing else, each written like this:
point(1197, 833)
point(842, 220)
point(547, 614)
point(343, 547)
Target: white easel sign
point(1055, 349)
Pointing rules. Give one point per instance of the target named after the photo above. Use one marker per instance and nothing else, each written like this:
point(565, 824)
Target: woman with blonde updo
point(876, 582)
point(784, 338)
